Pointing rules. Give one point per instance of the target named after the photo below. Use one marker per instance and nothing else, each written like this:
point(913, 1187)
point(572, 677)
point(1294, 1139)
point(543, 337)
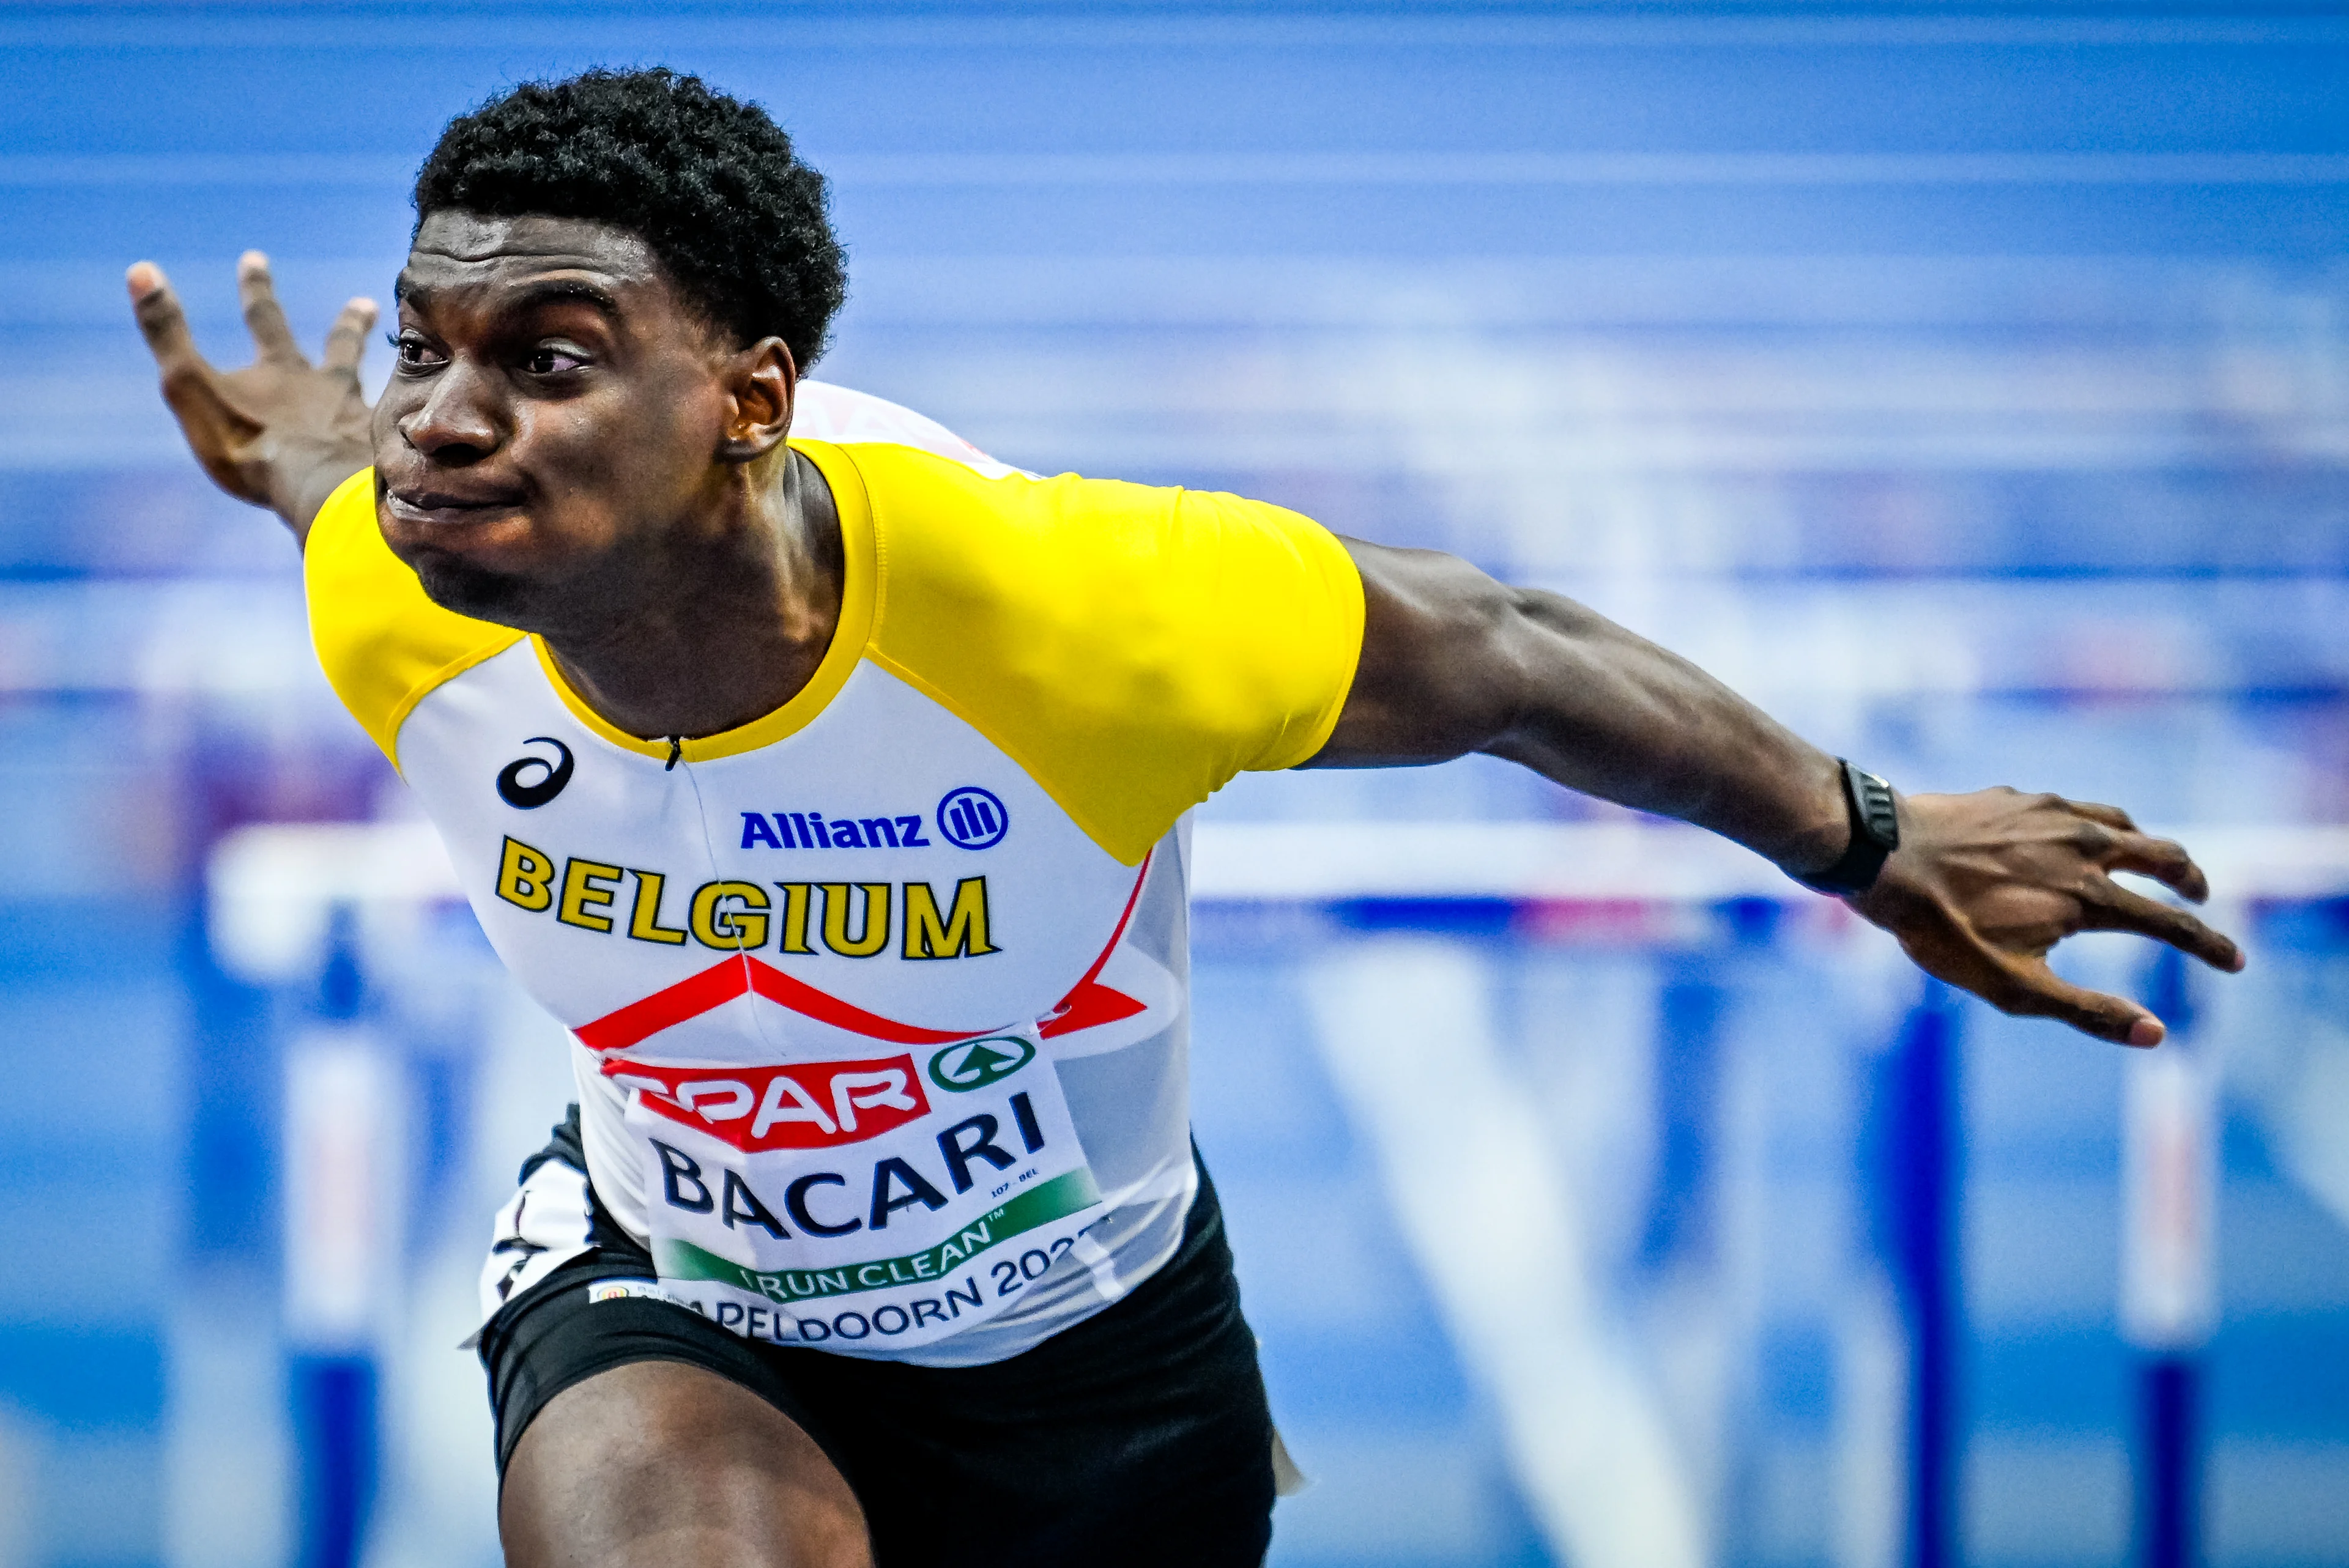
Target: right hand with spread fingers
point(1983, 885)
point(282, 432)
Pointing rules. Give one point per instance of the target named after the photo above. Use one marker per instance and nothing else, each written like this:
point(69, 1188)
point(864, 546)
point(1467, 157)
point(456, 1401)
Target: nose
point(457, 423)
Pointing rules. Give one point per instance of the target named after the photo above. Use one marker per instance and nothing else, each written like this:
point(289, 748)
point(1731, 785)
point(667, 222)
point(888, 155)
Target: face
point(557, 419)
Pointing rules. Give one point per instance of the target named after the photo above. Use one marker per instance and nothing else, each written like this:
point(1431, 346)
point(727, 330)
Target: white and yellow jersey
point(879, 1002)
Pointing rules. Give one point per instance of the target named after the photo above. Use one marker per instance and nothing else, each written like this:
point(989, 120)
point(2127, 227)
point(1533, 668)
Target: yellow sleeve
point(1132, 647)
point(382, 643)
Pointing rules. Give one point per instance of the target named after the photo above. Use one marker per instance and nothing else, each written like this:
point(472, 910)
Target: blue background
point(1969, 386)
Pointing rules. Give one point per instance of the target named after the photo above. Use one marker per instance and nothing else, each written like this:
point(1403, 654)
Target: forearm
point(1608, 713)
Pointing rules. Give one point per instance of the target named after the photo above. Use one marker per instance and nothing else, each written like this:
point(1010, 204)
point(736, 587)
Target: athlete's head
point(708, 181)
point(614, 284)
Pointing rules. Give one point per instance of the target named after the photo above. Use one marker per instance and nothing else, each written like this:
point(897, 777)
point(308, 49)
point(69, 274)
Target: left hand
point(1983, 885)
point(281, 432)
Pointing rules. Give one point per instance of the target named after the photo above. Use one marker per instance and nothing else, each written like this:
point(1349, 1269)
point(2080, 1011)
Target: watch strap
point(1875, 834)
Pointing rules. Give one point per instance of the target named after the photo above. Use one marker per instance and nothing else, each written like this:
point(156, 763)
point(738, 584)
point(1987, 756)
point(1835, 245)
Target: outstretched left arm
point(1981, 888)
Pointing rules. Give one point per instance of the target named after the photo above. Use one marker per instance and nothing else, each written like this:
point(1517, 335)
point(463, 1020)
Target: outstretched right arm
point(1981, 887)
point(282, 432)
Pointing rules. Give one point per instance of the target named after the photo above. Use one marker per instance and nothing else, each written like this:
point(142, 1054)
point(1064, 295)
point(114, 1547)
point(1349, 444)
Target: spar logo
point(809, 1104)
point(974, 1064)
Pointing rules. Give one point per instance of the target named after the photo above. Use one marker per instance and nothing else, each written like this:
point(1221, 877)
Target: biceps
point(1444, 661)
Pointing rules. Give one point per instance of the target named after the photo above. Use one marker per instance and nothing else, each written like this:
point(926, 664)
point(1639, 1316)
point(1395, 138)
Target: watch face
point(1878, 816)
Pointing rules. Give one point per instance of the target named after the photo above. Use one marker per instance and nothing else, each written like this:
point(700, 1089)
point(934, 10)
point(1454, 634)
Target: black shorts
point(1140, 1436)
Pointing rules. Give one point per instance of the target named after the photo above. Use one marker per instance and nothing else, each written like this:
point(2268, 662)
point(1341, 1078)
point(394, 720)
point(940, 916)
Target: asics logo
point(529, 794)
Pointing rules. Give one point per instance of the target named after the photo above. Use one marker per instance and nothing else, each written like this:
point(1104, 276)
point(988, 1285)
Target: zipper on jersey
point(675, 753)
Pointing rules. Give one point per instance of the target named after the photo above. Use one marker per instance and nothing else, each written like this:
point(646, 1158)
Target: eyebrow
point(556, 289)
point(547, 291)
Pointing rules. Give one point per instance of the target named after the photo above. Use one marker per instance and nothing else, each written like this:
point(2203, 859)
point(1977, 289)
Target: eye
point(548, 360)
point(412, 352)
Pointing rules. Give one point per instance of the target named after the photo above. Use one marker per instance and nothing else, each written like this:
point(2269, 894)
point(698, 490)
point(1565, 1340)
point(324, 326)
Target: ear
point(762, 383)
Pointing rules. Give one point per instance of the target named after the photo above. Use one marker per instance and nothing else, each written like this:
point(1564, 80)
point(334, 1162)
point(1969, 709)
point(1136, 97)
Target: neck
point(729, 620)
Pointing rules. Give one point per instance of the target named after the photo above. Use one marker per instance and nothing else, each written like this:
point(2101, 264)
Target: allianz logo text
point(968, 817)
point(813, 831)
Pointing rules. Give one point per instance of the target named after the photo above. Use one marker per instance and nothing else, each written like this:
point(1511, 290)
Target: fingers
point(162, 323)
point(2115, 908)
point(347, 339)
point(191, 386)
point(2126, 849)
point(263, 316)
point(2037, 992)
point(2165, 860)
point(2110, 816)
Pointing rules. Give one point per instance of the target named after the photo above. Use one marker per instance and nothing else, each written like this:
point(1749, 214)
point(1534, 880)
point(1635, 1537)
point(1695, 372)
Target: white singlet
point(879, 1002)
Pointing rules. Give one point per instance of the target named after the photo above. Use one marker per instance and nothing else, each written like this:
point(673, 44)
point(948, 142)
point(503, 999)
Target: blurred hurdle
point(278, 893)
point(2169, 1275)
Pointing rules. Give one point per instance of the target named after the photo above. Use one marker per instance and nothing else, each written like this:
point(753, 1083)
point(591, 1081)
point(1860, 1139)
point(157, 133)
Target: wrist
point(1824, 830)
point(301, 488)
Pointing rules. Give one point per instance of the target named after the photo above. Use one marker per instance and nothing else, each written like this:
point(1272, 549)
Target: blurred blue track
point(1972, 388)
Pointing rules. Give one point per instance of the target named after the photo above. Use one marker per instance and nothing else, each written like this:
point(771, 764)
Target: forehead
point(463, 253)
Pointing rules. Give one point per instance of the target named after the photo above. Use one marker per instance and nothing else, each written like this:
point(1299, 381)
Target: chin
point(470, 590)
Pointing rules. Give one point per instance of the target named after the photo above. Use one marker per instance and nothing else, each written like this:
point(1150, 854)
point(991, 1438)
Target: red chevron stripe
point(1088, 1003)
point(806, 1000)
point(731, 977)
point(689, 998)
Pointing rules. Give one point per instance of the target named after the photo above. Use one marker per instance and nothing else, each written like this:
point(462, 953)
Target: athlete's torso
point(879, 1002)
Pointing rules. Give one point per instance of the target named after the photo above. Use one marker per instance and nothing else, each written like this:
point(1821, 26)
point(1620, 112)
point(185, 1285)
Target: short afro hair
point(708, 181)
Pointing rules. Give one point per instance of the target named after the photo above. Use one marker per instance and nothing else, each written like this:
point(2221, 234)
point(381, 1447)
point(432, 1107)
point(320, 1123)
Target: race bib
point(865, 1205)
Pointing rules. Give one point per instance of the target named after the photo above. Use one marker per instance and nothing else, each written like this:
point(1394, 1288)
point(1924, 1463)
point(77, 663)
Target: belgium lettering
point(856, 920)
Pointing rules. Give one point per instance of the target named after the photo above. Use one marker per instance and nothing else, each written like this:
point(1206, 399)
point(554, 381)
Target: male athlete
point(829, 781)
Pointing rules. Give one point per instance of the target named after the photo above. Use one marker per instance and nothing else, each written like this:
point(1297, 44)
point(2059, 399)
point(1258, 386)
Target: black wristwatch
point(1875, 834)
